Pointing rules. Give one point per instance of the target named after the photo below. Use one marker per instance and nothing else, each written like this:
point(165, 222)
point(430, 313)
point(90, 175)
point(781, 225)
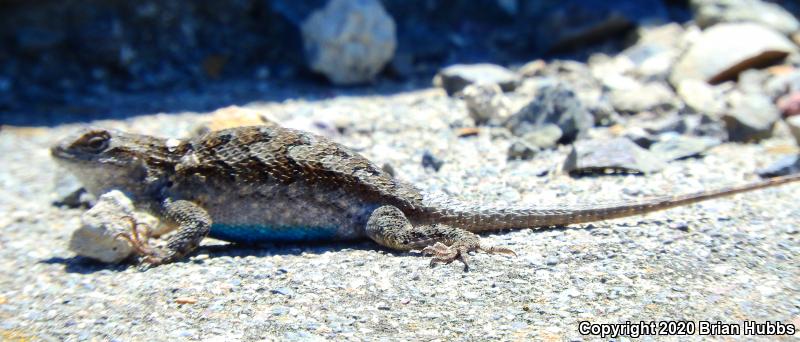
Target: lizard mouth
point(61, 153)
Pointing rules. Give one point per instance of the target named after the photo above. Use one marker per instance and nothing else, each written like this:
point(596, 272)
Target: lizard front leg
point(193, 223)
point(389, 227)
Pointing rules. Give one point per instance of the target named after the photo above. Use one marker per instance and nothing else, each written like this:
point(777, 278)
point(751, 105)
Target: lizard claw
point(498, 250)
point(140, 243)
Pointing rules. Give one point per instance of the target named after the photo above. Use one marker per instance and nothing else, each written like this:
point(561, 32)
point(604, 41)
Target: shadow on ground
point(83, 265)
point(116, 105)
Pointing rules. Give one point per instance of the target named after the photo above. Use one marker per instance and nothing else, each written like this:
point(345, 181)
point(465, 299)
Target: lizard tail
point(497, 219)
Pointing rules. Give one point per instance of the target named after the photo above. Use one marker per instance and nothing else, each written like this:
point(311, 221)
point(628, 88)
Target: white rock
point(656, 50)
point(349, 41)
point(710, 12)
point(456, 77)
point(725, 50)
point(701, 97)
point(97, 237)
point(651, 96)
point(486, 102)
point(750, 117)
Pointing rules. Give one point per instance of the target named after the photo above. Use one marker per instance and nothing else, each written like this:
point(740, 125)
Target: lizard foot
point(447, 254)
point(389, 227)
point(140, 242)
point(443, 254)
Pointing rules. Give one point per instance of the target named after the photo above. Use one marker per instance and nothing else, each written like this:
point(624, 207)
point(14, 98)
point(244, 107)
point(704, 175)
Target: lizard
point(257, 184)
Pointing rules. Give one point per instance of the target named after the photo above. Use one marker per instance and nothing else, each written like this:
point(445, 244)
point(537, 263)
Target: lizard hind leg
point(389, 227)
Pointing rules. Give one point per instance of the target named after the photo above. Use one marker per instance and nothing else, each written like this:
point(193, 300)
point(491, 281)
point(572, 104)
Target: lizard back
point(271, 183)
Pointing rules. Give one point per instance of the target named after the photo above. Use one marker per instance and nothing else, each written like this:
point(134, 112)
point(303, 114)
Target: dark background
point(81, 60)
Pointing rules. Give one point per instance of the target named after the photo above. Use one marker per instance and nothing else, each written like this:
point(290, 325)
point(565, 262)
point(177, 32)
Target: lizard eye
point(96, 143)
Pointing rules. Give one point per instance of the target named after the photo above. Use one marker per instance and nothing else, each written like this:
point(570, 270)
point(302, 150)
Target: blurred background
point(63, 61)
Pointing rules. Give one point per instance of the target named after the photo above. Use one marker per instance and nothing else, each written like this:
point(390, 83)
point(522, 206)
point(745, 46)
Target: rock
point(97, 237)
point(553, 104)
point(455, 77)
point(69, 192)
point(752, 81)
point(794, 127)
point(532, 68)
point(654, 123)
point(700, 97)
point(711, 12)
point(751, 117)
point(349, 41)
point(789, 104)
point(78, 198)
point(653, 96)
point(543, 137)
point(675, 146)
point(618, 155)
point(575, 23)
point(786, 165)
point(701, 125)
point(486, 103)
point(429, 161)
point(232, 116)
point(725, 50)
point(651, 61)
point(655, 51)
point(640, 136)
point(613, 72)
point(581, 80)
point(781, 85)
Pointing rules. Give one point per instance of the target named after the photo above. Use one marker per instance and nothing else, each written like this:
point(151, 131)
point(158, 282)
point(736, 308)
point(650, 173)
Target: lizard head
point(106, 159)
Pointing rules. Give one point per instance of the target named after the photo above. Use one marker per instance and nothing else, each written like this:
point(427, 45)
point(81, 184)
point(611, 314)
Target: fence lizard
point(259, 183)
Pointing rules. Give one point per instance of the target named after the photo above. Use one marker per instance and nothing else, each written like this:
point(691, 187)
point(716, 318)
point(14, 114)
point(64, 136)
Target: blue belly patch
point(263, 233)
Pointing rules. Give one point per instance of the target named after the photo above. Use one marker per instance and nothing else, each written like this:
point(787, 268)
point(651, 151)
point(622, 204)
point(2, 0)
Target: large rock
point(456, 77)
point(553, 104)
point(711, 12)
point(725, 50)
point(751, 117)
point(619, 155)
point(349, 41)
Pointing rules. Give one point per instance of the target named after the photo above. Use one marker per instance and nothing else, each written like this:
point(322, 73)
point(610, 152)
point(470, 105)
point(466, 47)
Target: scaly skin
point(255, 184)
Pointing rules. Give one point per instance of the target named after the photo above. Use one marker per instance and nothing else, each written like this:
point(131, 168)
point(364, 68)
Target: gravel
point(728, 260)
